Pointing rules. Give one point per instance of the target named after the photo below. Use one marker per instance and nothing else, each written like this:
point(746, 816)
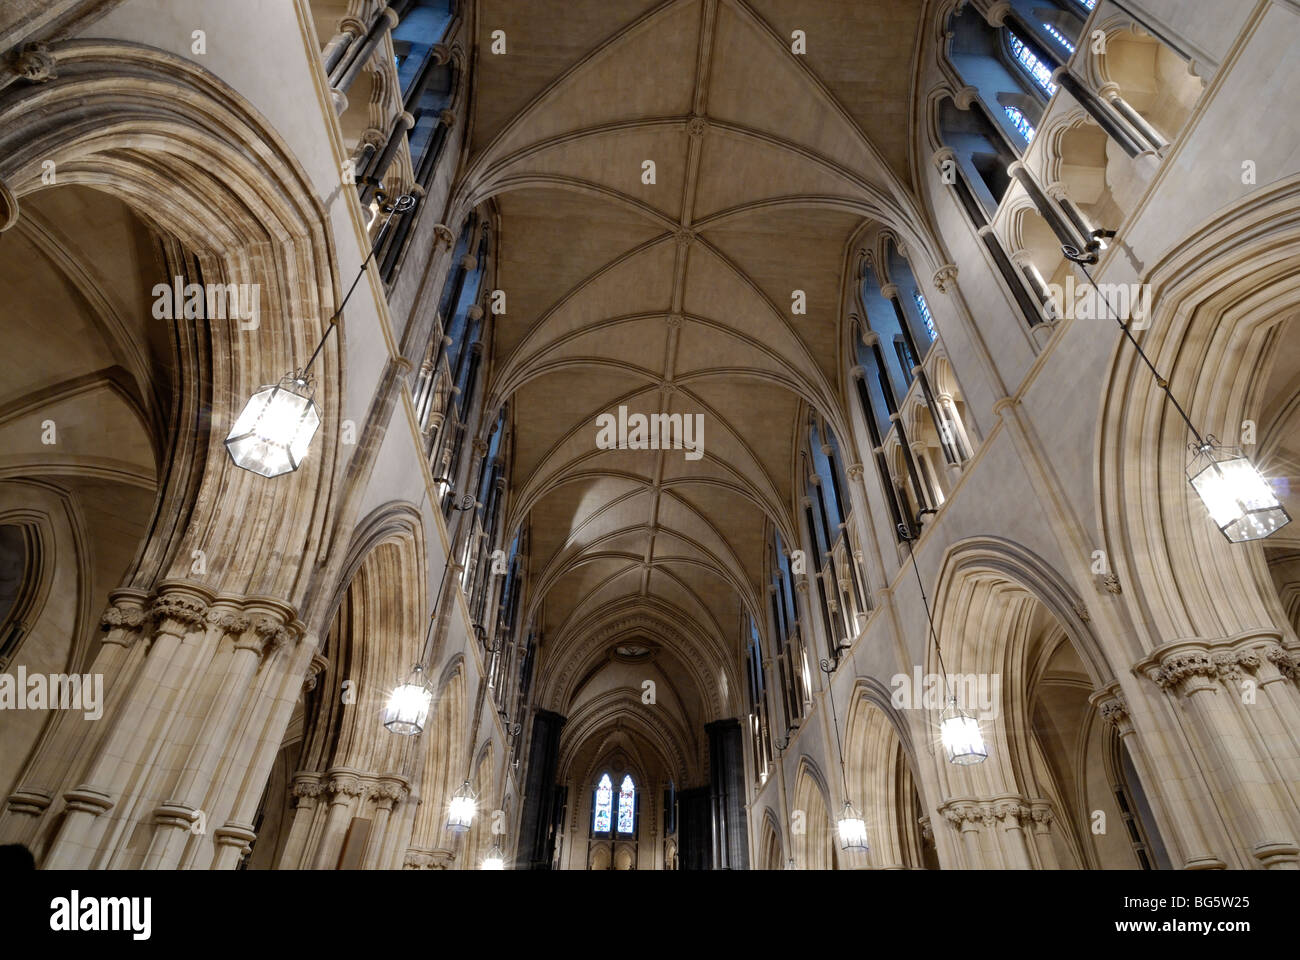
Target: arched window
point(603, 809)
point(1022, 124)
point(1038, 71)
point(626, 804)
point(604, 804)
point(923, 309)
point(1058, 36)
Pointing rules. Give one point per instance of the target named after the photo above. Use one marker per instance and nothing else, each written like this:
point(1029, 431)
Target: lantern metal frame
point(905, 535)
point(1253, 515)
point(1203, 447)
point(302, 378)
point(857, 840)
point(974, 749)
point(464, 796)
point(416, 677)
point(496, 857)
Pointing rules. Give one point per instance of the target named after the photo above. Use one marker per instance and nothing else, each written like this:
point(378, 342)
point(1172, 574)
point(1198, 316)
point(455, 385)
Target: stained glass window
point(626, 804)
point(924, 309)
point(1040, 72)
point(1059, 37)
point(604, 799)
point(1090, 4)
point(1023, 126)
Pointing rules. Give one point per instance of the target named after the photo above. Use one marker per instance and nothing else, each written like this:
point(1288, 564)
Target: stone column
point(306, 791)
point(175, 816)
point(343, 790)
point(386, 795)
point(1040, 812)
point(1203, 680)
point(1100, 111)
point(350, 66)
point(179, 614)
point(965, 818)
point(396, 137)
point(1012, 812)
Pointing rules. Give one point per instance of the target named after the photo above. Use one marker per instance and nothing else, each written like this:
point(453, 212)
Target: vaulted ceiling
point(675, 296)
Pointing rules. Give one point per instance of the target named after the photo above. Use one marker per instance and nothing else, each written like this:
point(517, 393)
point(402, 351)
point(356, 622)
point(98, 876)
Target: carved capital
point(272, 634)
point(177, 613)
point(1114, 711)
point(1181, 667)
point(1286, 664)
point(306, 791)
point(344, 788)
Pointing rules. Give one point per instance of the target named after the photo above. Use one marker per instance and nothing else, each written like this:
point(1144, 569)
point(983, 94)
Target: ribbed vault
point(675, 296)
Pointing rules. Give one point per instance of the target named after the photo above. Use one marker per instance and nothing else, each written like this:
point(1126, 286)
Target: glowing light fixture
point(960, 733)
point(408, 704)
point(407, 707)
point(464, 804)
point(1240, 501)
point(495, 859)
point(853, 829)
point(273, 433)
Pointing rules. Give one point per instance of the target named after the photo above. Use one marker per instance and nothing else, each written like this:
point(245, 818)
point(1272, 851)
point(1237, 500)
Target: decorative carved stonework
point(1176, 669)
point(306, 792)
point(945, 277)
point(34, 62)
point(272, 634)
point(129, 618)
point(1114, 711)
point(345, 788)
point(697, 126)
point(181, 610)
point(1286, 664)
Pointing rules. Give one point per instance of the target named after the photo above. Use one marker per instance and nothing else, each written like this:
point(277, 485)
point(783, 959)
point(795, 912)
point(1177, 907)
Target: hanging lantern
point(408, 705)
point(961, 736)
point(272, 434)
point(1241, 502)
point(853, 829)
point(463, 805)
point(495, 859)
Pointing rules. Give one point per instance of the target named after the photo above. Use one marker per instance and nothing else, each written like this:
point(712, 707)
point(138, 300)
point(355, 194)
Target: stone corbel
point(33, 62)
point(945, 276)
